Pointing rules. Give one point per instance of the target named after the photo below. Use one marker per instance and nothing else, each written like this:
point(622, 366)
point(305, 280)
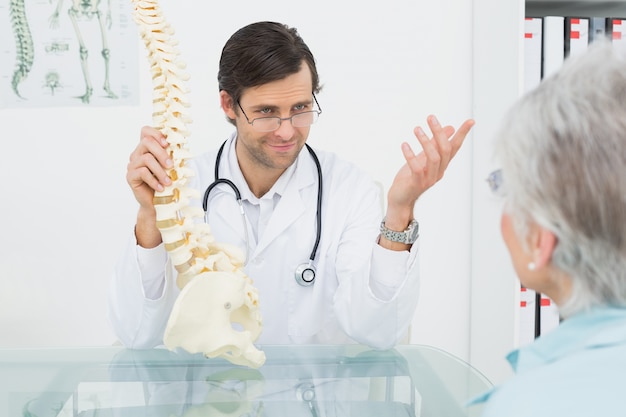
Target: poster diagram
point(67, 53)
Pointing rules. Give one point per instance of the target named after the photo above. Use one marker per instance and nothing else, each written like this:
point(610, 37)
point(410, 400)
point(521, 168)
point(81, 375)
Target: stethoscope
point(305, 272)
point(305, 392)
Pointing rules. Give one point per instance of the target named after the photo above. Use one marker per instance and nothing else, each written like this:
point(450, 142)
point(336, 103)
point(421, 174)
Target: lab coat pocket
point(313, 318)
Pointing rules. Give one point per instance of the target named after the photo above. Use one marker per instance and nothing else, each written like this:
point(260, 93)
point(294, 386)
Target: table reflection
point(347, 380)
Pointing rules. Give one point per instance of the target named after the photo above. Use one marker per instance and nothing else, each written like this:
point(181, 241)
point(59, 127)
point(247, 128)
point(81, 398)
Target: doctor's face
point(278, 149)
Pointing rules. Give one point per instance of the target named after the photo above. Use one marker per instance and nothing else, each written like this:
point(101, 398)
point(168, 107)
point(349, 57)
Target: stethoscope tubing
point(217, 180)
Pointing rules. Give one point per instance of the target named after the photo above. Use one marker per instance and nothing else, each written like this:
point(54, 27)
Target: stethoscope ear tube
point(205, 206)
point(205, 200)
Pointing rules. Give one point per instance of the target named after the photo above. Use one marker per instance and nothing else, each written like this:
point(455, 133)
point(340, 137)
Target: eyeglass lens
point(269, 124)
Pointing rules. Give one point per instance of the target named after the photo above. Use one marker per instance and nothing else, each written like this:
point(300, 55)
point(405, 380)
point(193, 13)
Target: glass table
point(347, 380)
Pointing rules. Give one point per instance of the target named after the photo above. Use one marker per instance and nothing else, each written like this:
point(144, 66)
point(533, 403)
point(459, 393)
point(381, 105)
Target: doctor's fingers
point(444, 145)
point(428, 163)
point(151, 132)
point(156, 146)
point(422, 174)
point(144, 168)
point(460, 135)
point(441, 141)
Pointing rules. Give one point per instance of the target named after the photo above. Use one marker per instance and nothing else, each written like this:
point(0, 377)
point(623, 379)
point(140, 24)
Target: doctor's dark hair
point(261, 53)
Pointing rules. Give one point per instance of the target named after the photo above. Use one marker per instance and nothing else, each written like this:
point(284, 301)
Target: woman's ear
point(544, 243)
point(228, 105)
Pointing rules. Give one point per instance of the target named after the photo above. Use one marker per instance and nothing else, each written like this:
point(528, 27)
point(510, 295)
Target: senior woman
point(562, 152)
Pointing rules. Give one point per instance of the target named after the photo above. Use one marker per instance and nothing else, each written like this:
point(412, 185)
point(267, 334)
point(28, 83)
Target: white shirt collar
point(278, 188)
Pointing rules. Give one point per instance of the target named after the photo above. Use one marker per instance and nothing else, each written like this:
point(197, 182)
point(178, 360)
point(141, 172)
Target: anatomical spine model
point(216, 295)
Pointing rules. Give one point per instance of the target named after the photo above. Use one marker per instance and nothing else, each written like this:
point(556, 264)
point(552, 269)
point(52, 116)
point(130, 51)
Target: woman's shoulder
point(588, 382)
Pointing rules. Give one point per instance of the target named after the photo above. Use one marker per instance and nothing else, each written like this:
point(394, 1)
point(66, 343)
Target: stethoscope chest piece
point(305, 274)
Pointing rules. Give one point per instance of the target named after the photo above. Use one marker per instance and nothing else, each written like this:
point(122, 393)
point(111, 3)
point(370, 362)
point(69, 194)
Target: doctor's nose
point(285, 130)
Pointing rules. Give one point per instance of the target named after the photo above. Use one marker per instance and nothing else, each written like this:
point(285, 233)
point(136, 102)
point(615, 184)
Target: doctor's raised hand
point(420, 172)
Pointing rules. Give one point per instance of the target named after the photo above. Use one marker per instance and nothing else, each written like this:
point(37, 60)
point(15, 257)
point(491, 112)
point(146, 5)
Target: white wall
point(385, 66)
point(497, 82)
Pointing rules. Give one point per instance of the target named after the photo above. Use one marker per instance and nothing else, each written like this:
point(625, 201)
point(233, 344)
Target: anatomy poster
point(67, 53)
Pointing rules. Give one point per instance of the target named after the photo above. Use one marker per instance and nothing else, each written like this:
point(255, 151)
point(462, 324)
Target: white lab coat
point(362, 292)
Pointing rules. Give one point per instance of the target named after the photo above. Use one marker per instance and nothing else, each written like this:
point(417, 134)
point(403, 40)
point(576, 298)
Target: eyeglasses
point(270, 124)
point(496, 185)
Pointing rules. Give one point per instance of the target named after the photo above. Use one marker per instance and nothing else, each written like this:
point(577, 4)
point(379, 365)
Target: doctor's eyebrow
point(272, 107)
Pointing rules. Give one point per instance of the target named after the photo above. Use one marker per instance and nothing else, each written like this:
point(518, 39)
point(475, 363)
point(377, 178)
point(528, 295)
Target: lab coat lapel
point(292, 203)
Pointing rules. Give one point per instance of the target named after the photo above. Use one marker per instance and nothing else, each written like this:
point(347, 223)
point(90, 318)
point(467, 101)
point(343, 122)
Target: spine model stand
point(216, 296)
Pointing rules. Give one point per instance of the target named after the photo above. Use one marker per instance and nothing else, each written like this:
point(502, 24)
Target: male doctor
point(365, 288)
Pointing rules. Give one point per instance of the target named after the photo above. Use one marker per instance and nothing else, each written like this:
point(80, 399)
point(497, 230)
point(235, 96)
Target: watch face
point(414, 232)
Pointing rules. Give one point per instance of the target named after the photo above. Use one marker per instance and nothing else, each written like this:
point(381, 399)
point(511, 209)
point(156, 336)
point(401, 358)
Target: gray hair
point(562, 149)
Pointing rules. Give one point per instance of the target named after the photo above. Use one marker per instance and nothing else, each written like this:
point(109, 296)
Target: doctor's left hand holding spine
point(330, 266)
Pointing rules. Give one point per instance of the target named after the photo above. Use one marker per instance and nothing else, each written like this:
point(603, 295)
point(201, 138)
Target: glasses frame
point(280, 119)
point(496, 186)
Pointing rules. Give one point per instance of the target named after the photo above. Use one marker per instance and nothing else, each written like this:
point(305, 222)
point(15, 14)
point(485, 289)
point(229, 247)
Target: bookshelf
point(537, 8)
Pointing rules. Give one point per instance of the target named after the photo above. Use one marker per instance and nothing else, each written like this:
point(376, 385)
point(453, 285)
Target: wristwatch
point(409, 236)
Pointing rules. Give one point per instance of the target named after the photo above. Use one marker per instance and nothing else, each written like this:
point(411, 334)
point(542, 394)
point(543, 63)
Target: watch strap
point(408, 236)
